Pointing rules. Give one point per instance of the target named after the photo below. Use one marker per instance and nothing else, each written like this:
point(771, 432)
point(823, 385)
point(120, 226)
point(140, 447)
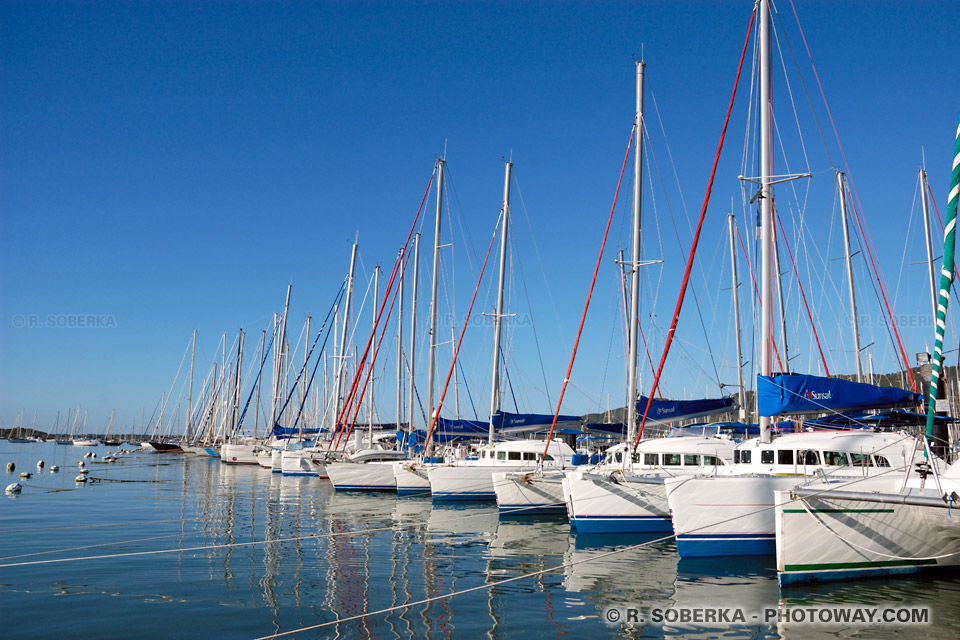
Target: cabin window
point(548, 458)
point(741, 456)
point(835, 458)
point(650, 459)
point(514, 455)
point(860, 459)
point(529, 455)
point(811, 457)
point(483, 454)
point(766, 456)
point(501, 455)
point(710, 461)
point(880, 461)
point(671, 459)
point(785, 456)
point(618, 457)
point(691, 459)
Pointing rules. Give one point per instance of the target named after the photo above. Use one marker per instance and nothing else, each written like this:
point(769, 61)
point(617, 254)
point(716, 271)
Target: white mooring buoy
point(16, 487)
point(26, 475)
point(54, 469)
point(80, 478)
point(40, 464)
point(11, 467)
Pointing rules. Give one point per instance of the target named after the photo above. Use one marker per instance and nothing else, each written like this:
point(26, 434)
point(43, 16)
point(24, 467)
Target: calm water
point(337, 555)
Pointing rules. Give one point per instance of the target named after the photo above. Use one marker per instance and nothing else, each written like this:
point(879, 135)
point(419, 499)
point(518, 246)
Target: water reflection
point(344, 554)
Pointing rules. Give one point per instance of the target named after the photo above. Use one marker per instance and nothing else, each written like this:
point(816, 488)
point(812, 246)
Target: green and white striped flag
point(946, 278)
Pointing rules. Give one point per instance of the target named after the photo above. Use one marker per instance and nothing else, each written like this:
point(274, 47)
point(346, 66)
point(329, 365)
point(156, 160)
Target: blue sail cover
point(795, 393)
point(672, 410)
point(504, 422)
point(447, 431)
point(290, 431)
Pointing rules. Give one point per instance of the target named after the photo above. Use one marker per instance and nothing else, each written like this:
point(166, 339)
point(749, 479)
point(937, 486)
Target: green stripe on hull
point(839, 566)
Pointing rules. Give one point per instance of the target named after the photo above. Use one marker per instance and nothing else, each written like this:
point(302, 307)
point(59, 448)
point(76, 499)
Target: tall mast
point(282, 355)
point(741, 391)
point(236, 385)
point(413, 331)
point(635, 266)
point(926, 229)
point(303, 376)
point(400, 344)
point(338, 383)
point(432, 360)
point(193, 353)
point(256, 407)
point(766, 210)
point(376, 298)
point(855, 325)
point(498, 318)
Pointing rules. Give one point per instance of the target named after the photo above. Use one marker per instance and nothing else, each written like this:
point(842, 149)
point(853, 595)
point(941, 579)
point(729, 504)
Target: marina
point(359, 381)
point(186, 537)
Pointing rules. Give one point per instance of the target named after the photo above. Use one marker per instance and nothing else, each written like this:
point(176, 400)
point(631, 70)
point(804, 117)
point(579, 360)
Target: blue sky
point(173, 165)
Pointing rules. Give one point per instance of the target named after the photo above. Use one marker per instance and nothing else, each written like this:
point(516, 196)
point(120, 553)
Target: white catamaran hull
point(625, 504)
point(412, 479)
point(467, 482)
point(526, 493)
point(853, 534)
point(296, 462)
point(362, 476)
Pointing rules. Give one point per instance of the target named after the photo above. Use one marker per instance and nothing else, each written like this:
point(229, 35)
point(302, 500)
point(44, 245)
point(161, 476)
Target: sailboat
point(888, 525)
point(732, 513)
point(18, 438)
point(107, 440)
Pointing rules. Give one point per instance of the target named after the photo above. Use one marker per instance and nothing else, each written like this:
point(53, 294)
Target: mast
point(432, 360)
point(400, 343)
point(193, 353)
point(635, 268)
point(498, 317)
point(281, 353)
point(413, 331)
point(376, 297)
point(237, 380)
point(855, 325)
point(338, 383)
point(926, 230)
point(741, 391)
point(303, 377)
point(766, 211)
point(256, 409)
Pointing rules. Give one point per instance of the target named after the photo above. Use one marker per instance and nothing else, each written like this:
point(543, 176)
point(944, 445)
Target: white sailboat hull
point(827, 538)
point(412, 479)
point(520, 493)
point(632, 504)
point(238, 454)
point(365, 476)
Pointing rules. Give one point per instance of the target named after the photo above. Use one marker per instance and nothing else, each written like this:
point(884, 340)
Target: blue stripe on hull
point(531, 509)
point(622, 524)
point(810, 577)
point(413, 491)
point(362, 487)
point(299, 473)
point(734, 544)
point(457, 496)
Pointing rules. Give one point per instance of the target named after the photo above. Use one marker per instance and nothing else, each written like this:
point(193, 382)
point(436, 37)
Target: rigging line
point(803, 84)
point(756, 292)
point(565, 565)
point(793, 104)
point(802, 294)
point(676, 232)
point(696, 237)
point(586, 305)
point(336, 430)
point(401, 260)
point(467, 387)
point(868, 243)
point(533, 324)
point(319, 358)
point(506, 373)
point(536, 248)
point(463, 331)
